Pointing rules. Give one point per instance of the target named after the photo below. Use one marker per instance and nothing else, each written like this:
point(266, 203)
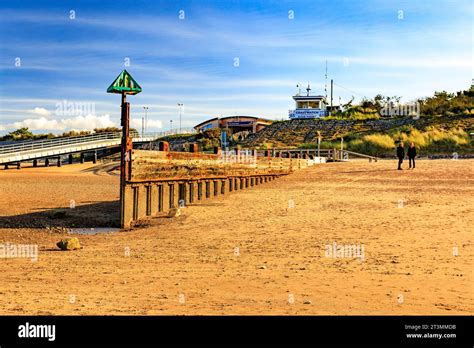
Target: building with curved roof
point(235, 123)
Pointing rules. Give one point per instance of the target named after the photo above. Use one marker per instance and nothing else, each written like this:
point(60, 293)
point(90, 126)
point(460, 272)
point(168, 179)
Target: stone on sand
point(69, 244)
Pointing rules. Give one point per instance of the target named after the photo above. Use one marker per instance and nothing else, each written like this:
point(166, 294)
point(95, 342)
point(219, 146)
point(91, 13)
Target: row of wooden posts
point(141, 199)
point(149, 198)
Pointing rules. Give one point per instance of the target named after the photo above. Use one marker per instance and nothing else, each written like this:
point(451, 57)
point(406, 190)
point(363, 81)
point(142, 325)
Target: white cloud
point(2, 128)
point(40, 111)
point(88, 122)
point(137, 124)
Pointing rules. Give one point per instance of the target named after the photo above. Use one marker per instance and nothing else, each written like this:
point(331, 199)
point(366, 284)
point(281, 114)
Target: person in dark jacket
point(400, 155)
point(411, 153)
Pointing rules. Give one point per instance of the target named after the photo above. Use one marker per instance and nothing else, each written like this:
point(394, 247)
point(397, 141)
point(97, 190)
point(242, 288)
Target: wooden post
point(125, 155)
point(194, 148)
point(164, 200)
point(200, 191)
point(164, 146)
point(154, 203)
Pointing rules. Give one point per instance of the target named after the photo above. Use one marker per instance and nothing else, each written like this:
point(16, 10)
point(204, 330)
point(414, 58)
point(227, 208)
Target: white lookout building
point(309, 106)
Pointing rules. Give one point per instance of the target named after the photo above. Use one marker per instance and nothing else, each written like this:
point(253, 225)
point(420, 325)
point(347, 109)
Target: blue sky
point(47, 58)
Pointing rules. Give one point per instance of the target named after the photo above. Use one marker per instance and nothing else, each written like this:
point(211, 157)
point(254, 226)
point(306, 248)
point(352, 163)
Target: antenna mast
point(326, 84)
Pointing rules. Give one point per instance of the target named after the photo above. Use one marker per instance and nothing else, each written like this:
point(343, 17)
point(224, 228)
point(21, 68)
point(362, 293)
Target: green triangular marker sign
point(124, 83)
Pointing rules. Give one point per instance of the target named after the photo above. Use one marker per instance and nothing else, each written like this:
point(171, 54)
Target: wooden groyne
point(163, 180)
point(147, 198)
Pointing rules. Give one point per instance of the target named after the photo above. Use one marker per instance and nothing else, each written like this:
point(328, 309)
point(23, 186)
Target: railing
point(48, 143)
point(357, 154)
point(58, 142)
point(332, 154)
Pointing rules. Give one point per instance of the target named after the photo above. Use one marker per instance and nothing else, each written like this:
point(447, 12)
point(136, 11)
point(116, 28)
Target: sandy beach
point(262, 251)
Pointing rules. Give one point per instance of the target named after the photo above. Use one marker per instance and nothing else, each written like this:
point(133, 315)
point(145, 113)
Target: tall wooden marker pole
point(125, 84)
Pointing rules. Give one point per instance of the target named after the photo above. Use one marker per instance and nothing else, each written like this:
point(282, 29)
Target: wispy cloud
point(193, 60)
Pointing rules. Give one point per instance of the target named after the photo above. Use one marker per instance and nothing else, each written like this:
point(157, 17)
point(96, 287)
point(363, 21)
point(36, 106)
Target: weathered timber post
point(176, 196)
point(127, 218)
point(164, 146)
point(194, 148)
point(171, 196)
point(142, 193)
point(183, 199)
point(124, 84)
point(153, 200)
point(193, 192)
point(70, 158)
point(35, 163)
point(46, 162)
point(165, 198)
point(82, 158)
point(147, 200)
point(200, 193)
point(59, 162)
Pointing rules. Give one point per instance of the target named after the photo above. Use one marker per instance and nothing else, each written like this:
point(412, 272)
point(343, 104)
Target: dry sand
point(190, 264)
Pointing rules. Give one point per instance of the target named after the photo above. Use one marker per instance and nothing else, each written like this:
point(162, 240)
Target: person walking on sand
point(411, 153)
point(400, 155)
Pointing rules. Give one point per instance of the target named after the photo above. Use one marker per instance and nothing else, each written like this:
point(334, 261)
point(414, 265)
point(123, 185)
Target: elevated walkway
point(38, 149)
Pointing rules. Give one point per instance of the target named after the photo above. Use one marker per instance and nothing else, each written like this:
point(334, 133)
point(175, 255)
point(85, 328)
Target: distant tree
point(107, 130)
point(444, 103)
point(74, 133)
point(19, 134)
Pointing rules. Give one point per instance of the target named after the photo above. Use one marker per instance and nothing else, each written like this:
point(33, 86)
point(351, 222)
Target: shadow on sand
point(99, 214)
